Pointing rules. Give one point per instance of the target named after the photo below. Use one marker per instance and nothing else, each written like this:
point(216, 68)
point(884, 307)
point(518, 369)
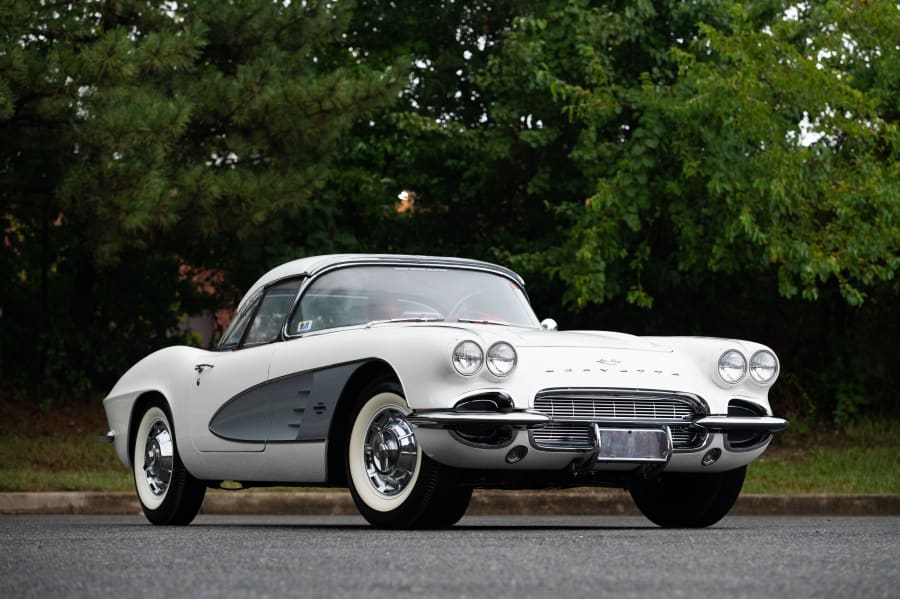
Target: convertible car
point(413, 380)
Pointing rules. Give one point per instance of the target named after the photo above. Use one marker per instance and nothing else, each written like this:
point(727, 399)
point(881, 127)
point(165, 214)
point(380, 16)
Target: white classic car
point(413, 380)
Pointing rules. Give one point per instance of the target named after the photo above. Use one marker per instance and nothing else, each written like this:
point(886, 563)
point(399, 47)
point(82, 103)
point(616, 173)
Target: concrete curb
point(580, 502)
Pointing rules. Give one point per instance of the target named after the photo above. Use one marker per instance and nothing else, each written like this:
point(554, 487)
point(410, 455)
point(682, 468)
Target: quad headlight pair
point(733, 366)
point(468, 358)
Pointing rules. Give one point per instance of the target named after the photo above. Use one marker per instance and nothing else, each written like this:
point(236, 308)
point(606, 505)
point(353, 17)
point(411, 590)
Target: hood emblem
point(609, 361)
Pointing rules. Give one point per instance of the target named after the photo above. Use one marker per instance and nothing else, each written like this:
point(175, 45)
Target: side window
point(271, 314)
point(334, 300)
point(235, 330)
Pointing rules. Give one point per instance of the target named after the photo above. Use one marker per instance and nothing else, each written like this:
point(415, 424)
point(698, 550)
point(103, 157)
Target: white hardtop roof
point(313, 264)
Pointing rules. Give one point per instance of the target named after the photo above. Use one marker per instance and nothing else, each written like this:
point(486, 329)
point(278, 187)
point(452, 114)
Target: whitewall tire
point(167, 491)
point(393, 483)
point(386, 460)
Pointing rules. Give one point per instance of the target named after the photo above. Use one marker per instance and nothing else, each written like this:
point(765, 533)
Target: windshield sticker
point(304, 325)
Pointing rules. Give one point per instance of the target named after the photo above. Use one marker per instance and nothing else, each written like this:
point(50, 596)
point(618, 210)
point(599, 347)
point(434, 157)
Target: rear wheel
point(688, 500)
point(393, 483)
point(167, 491)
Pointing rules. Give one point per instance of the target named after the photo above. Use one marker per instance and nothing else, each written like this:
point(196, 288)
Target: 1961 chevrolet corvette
point(413, 380)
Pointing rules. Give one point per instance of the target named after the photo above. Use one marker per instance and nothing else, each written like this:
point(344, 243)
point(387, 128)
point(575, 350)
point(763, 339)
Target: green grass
point(835, 470)
point(84, 463)
point(815, 458)
point(64, 463)
point(21, 479)
point(62, 452)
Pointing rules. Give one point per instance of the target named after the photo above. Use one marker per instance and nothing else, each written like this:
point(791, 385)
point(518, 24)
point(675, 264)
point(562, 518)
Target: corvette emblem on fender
point(609, 361)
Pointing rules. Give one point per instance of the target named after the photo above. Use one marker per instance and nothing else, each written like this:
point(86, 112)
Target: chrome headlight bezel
point(723, 367)
point(775, 366)
point(467, 351)
point(495, 362)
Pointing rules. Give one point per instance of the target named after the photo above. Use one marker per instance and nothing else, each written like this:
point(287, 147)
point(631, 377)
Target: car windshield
point(362, 295)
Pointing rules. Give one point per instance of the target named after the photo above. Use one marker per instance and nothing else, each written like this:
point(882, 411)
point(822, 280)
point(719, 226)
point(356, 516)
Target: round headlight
point(732, 366)
point(501, 358)
point(763, 366)
point(467, 358)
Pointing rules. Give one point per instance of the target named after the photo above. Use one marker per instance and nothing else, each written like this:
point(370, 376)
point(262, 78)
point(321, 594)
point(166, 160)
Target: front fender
point(166, 372)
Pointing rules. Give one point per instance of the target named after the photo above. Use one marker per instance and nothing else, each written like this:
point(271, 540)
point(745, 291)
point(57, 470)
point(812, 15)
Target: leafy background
point(662, 167)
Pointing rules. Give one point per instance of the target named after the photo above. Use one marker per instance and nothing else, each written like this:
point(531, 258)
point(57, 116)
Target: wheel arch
point(363, 376)
point(137, 411)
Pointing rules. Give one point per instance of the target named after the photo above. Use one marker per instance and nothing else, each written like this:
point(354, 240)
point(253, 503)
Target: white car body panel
point(226, 376)
point(419, 356)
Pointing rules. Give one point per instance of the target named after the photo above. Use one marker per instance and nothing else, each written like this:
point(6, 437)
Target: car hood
point(523, 337)
point(590, 339)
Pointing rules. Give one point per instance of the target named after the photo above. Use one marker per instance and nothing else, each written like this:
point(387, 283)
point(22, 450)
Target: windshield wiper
point(405, 319)
point(485, 321)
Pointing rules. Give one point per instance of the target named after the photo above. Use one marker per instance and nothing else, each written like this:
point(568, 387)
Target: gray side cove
point(294, 408)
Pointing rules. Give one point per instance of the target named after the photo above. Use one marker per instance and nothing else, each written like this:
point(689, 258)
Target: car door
point(230, 408)
point(310, 370)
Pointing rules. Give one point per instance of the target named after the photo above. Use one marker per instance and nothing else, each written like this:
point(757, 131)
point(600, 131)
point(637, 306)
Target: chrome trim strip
point(768, 424)
point(447, 419)
point(486, 391)
point(765, 440)
point(109, 436)
point(412, 261)
point(626, 423)
point(611, 393)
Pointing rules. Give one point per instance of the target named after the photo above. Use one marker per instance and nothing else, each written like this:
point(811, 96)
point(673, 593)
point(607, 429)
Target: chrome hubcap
point(390, 452)
point(158, 458)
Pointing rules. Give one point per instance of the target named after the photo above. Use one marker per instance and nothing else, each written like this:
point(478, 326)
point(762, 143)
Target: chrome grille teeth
point(614, 408)
point(575, 436)
point(600, 405)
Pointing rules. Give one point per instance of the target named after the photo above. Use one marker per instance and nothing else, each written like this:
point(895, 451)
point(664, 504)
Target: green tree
point(141, 136)
point(759, 143)
point(698, 168)
point(466, 137)
point(739, 151)
point(720, 168)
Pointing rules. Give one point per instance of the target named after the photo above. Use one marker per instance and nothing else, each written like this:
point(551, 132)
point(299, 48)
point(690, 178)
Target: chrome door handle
point(201, 367)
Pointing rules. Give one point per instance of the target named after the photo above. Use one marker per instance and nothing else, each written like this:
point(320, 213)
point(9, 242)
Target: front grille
point(558, 435)
point(601, 405)
point(573, 410)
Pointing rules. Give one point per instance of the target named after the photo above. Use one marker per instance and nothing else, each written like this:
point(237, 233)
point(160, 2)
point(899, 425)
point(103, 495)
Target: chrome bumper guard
point(529, 419)
point(755, 424)
point(650, 447)
point(517, 419)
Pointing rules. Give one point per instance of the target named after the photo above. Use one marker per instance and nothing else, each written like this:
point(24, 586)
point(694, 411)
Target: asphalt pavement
point(484, 556)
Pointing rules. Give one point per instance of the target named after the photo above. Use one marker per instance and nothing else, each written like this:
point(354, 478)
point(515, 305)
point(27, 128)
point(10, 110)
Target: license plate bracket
point(633, 445)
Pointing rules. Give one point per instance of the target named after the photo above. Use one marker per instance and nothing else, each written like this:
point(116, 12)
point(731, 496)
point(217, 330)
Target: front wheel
point(167, 491)
point(688, 500)
point(393, 483)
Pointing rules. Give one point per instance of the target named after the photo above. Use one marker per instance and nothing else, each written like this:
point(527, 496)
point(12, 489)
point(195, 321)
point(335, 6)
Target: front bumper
point(530, 419)
point(741, 424)
point(450, 419)
point(452, 437)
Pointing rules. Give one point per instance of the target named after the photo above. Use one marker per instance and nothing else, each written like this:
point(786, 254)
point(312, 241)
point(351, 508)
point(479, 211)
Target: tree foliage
point(704, 137)
point(141, 136)
point(703, 168)
point(667, 167)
